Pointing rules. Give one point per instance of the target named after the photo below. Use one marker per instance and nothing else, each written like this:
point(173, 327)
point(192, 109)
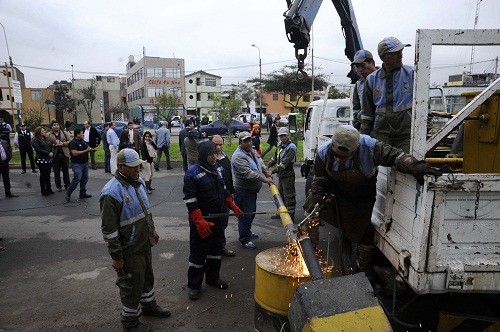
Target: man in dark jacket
point(93, 139)
point(272, 140)
point(206, 193)
point(347, 167)
point(188, 126)
point(224, 161)
point(5, 156)
point(23, 140)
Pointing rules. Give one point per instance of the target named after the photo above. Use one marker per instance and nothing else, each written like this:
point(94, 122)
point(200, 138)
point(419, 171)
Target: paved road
point(56, 274)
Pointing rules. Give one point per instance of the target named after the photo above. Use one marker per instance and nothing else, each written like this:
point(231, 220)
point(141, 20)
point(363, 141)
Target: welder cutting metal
point(346, 167)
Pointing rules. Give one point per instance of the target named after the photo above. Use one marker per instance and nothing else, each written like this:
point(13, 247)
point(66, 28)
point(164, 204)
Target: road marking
point(167, 255)
point(85, 275)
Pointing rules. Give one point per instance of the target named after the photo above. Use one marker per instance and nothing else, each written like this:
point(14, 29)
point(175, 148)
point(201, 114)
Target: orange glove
point(202, 226)
point(230, 204)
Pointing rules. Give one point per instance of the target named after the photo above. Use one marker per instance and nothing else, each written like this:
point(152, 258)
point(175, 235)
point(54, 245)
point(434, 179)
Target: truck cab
point(322, 117)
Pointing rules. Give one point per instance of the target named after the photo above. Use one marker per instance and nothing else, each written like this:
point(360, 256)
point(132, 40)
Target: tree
point(334, 93)
point(166, 106)
point(38, 112)
point(87, 97)
point(247, 94)
point(63, 102)
point(227, 106)
point(285, 81)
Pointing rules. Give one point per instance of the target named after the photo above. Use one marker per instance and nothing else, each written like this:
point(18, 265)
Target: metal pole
point(13, 73)
point(260, 85)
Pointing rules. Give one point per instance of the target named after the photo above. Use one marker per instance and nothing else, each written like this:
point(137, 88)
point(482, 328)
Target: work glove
point(418, 168)
point(230, 204)
point(319, 189)
point(202, 226)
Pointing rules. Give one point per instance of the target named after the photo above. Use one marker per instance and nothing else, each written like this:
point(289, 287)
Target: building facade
point(110, 102)
point(201, 87)
point(11, 83)
point(149, 78)
point(38, 103)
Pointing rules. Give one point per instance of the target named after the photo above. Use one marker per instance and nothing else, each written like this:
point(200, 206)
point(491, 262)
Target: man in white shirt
point(113, 142)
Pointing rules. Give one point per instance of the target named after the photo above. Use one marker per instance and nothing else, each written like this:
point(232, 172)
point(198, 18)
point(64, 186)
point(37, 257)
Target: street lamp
point(260, 79)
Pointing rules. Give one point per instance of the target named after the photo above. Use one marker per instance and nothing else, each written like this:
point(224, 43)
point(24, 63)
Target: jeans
point(164, 149)
point(247, 202)
point(80, 176)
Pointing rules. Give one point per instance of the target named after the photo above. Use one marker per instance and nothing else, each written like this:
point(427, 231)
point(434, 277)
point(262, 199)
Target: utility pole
point(13, 76)
point(260, 79)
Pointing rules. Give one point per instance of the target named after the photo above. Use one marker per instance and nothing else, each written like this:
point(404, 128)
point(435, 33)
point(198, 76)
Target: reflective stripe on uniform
point(190, 200)
point(132, 220)
point(195, 265)
point(213, 257)
point(200, 175)
point(148, 297)
point(128, 312)
point(110, 236)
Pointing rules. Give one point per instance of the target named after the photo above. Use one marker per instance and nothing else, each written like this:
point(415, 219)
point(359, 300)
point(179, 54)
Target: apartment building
point(149, 78)
point(39, 103)
point(201, 87)
point(110, 103)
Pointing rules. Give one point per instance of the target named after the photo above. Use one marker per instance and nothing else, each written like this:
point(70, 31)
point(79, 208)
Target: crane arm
point(299, 19)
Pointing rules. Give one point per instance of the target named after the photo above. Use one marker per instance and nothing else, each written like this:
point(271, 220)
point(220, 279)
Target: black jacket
point(144, 152)
point(8, 150)
point(24, 141)
point(94, 137)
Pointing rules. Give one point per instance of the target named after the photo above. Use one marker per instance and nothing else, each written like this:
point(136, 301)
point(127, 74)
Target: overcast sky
point(216, 35)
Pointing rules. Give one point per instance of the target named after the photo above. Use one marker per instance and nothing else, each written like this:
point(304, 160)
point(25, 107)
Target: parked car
point(176, 121)
point(284, 120)
point(119, 127)
point(245, 117)
point(219, 128)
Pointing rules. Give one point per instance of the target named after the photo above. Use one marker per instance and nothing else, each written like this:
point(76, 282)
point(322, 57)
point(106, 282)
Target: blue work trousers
point(247, 202)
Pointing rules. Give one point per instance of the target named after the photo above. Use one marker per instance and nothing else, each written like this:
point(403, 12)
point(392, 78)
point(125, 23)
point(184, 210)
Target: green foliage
point(87, 97)
point(334, 93)
point(62, 100)
point(247, 94)
point(166, 106)
point(33, 118)
point(285, 81)
point(227, 106)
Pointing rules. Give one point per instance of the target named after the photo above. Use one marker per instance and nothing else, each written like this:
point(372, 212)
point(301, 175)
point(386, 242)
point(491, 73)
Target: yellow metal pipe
point(282, 210)
point(444, 160)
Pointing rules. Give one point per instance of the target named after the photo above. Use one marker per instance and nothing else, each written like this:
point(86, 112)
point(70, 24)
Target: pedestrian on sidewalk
point(22, 139)
point(105, 145)
point(79, 164)
point(93, 139)
point(43, 159)
point(60, 142)
point(113, 142)
point(148, 152)
point(163, 145)
point(272, 140)
point(129, 230)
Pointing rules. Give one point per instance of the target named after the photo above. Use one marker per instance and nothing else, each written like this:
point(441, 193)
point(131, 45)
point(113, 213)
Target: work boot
point(157, 168)
point(219, 283)
point(169, 167)
point(157, 312)
point(138, 328)
point(85, 195)
point(194, 294)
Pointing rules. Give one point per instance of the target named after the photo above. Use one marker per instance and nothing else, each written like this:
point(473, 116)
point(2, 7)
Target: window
point(293, 97)
point(36, 95)
point(172, 72)
point(306, 98)
point(275, 96)
point(110, 79)
point(154, 92)
point(210, 81)
point(154, 72)
point(174, 92)
point(210, 96)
